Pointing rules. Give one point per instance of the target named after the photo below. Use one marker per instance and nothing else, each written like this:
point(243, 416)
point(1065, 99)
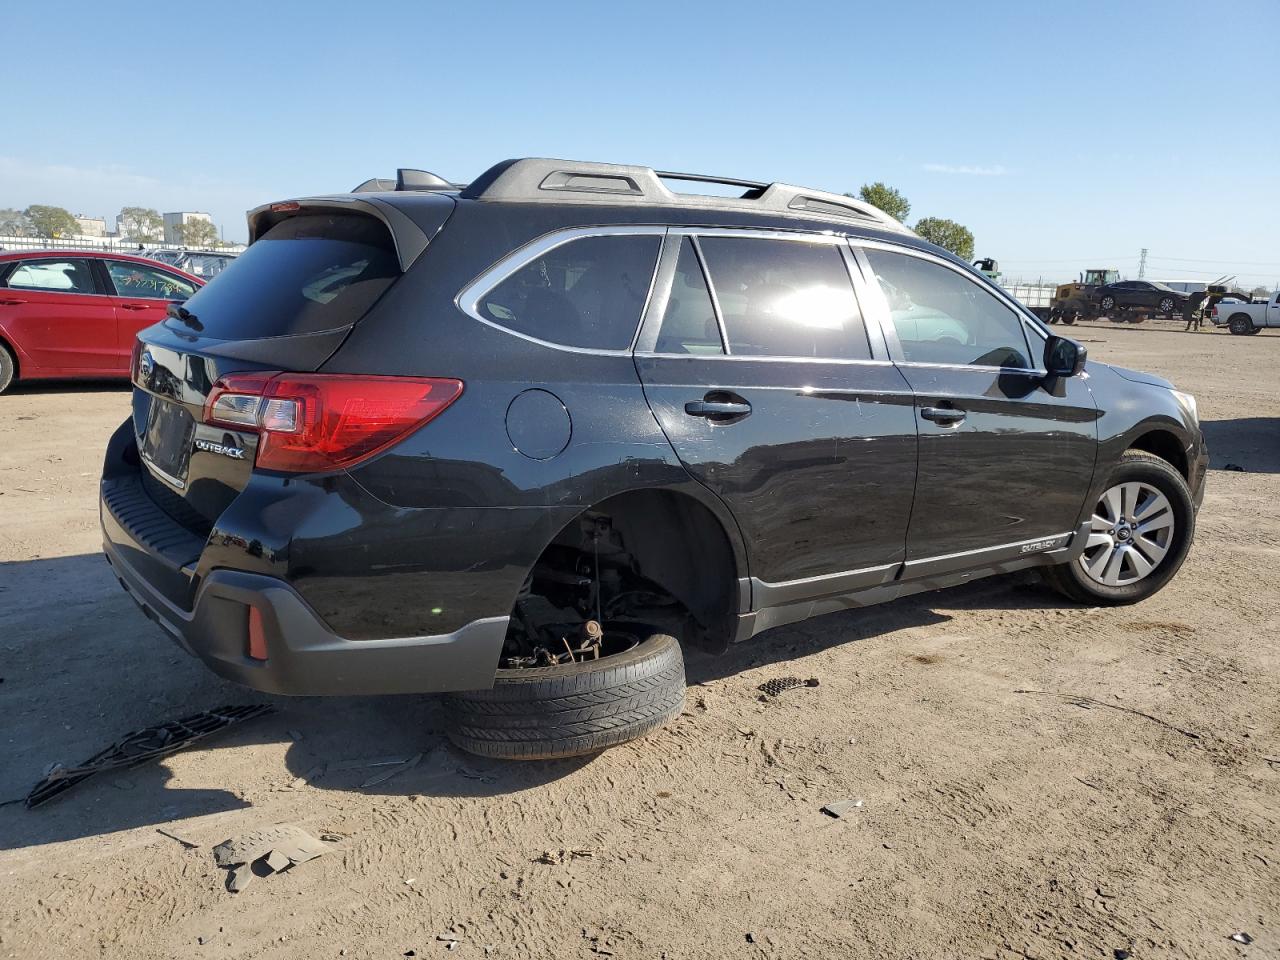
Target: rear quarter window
point(307, 274)
point(586, 293)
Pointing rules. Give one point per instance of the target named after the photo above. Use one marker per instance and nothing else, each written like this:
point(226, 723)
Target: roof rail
point(406, 179)
point(532, 180)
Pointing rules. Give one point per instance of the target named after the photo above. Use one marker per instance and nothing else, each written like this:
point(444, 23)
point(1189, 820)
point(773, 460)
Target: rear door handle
point(12, 303)
point(716, 409)
point(946, 416)
point(133, 306)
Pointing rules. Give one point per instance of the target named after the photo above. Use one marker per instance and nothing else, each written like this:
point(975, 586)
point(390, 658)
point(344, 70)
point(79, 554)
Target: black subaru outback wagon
point(521, 440)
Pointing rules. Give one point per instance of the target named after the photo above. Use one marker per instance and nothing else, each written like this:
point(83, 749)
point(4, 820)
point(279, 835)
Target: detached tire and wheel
point(1139, 536)
point(1240, 324)
point(541, 713)
point(8, 368)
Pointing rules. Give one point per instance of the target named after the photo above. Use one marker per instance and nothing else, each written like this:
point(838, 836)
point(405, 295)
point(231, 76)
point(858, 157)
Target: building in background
point(92, 226)
point(174, 222)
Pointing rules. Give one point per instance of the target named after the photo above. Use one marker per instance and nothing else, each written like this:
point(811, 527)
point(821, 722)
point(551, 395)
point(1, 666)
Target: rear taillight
point(311, 422)
point(133, 360)
point(1214, 313)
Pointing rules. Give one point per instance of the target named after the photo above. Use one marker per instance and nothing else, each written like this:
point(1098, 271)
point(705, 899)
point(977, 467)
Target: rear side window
point(307, 274)
point(147, 283)
point(689, 321)
point(785, 298)
point(54, 276)
point(943, 317)
point(585, 293)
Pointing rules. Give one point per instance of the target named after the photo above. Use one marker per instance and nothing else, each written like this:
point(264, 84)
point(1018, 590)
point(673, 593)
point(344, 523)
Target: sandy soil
point(995, 823)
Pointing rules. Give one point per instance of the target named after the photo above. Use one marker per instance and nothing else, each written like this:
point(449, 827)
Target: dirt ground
point(996, 822)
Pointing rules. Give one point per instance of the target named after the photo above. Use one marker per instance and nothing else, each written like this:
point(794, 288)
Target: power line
point(1243, 263)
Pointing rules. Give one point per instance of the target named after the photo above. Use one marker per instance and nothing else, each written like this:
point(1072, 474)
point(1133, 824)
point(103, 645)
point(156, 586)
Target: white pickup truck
point(1244, 318)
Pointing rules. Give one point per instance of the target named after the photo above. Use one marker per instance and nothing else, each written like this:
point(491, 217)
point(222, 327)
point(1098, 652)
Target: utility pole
point(1142, 264)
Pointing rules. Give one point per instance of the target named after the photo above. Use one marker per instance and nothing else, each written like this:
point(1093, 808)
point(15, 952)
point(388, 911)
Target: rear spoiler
point(410, 234)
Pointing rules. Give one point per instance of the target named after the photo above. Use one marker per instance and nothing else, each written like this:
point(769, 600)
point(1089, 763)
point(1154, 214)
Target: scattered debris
point(1120, 954)
point(775, 687)
point(1234, 467)
point(150, 743)
point(361, 762)
point(838, 808)
point(1241, 937)
point(751, 937)
point(264, 852)
point(1085, 703)
point(395, 771)
point(189, 844)
point(550, 857)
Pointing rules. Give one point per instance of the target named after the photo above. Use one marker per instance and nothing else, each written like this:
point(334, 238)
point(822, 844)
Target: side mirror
point(1063, 357)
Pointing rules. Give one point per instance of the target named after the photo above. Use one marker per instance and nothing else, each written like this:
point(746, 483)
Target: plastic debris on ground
point(150, 743)
point(266, 851)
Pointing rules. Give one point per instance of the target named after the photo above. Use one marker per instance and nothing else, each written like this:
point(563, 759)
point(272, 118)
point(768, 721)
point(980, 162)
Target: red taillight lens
point(133, 360)
point(1215, 312)
point(311, 422)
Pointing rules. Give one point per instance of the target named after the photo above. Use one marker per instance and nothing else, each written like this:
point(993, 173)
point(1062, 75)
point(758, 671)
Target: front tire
point(1166, 305)
point(8, 368)
point(542, 713)
point(1141, 531)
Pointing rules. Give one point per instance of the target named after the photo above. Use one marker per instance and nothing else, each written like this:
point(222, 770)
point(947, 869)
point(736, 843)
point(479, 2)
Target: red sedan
point(75, 313)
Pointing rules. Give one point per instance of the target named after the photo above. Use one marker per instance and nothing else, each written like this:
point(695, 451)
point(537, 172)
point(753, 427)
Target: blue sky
point(1065, 135)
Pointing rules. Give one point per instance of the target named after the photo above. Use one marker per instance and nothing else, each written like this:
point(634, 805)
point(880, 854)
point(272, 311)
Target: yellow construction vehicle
point(1075, 300)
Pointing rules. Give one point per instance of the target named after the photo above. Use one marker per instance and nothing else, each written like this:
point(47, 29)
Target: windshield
point(307, 274)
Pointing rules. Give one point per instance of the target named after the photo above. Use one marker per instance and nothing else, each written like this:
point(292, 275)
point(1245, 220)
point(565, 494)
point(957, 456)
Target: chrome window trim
point(761, 233)
point(873, 362)
point(469, 297)
point(1030, 324)
point(725, 349)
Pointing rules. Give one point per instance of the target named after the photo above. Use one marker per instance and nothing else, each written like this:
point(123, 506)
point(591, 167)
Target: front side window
point(147, 283)
point(585, 293)
point(785, 298)
point(689, 321)
point(53, 276)
point(943, 317)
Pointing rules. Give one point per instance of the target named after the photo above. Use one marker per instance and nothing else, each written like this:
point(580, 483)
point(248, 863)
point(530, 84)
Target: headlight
point(1188, 403)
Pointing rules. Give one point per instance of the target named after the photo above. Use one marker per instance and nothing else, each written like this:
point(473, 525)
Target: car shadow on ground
point(1251, 443)
point(83, 668)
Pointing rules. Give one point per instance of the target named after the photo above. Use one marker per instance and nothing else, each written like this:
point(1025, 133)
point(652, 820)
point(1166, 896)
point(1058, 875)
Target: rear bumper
point(169, 572)
point(305, 658)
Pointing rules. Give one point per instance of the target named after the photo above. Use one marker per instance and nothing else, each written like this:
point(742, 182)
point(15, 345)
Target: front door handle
point(946, 416)
point(133, 306)
point(12, 303)
point(717, 409)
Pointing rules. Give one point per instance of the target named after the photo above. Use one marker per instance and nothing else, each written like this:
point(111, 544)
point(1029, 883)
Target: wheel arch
point(8, 345)
point(685, 540)
point(1162, 442)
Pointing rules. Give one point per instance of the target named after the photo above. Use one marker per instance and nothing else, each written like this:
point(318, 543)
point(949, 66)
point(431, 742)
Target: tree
point(50, 222)
point(14, 223)
point(198, 232)
point(140, 223)
point(947, 234)
point(886, 198)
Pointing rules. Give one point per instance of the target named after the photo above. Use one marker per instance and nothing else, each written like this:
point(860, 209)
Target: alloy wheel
point(1132, 529)
point(1166, 305)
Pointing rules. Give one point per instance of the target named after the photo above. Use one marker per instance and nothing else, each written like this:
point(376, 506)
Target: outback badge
point(208, 446)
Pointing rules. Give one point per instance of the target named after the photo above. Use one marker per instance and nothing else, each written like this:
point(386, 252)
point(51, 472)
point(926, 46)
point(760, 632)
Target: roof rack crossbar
point(705, 178)
point(535, 179)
